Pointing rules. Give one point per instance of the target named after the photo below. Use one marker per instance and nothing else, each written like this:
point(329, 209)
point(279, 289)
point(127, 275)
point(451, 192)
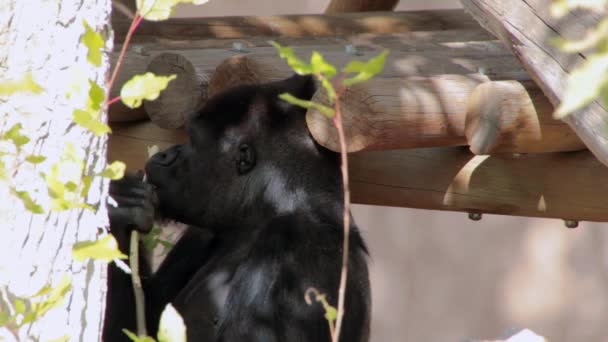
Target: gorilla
point(264, 206)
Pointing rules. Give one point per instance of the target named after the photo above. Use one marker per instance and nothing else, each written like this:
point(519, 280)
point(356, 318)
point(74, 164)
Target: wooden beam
point(450, 51)
point(245, 28)
point(555, 185)
point(560, 185)
point(337, 6)
point(527, 27)
point(504, 116)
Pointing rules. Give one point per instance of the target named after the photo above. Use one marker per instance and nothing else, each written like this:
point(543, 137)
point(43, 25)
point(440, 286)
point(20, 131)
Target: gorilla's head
point(250, 153)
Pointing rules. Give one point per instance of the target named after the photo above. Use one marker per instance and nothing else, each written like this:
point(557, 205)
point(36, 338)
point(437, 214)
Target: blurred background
point(438, 276)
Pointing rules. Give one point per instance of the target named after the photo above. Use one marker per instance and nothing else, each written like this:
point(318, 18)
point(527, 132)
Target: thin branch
point(345, 244)
point(134, 24)
point(140, 305)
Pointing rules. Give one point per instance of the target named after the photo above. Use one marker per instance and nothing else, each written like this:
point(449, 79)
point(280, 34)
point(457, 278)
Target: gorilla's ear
point(302, 87)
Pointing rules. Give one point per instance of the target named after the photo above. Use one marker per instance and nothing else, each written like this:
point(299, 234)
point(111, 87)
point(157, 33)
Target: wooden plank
point(559, 185)
point(338, 6)
point(526, 27)
point(307, 25)
point(554, 185)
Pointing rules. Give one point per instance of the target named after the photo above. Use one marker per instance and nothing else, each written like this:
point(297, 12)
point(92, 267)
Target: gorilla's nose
point(168, 156)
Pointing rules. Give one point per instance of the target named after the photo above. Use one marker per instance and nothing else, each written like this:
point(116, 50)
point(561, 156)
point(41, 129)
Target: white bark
point(43, 37)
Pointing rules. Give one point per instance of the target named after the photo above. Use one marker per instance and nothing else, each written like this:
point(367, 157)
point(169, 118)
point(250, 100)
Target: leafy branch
point(324, 72)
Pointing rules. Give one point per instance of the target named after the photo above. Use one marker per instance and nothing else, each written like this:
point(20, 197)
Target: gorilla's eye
point(246, 159)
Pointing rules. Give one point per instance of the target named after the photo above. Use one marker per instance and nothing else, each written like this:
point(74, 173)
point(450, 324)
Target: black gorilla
point(270, 202)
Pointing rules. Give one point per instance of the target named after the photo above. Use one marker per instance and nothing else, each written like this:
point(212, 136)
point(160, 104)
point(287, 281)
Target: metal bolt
point(475, 216)
point(352, 50)
point(571, 223)
point(239, 47)
point(481, 70)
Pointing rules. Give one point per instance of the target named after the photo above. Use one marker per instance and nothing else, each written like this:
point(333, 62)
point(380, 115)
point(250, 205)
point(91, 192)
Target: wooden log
point(560, 185)
point(504, 116)
point(428, 53)
point(182, 95)
point(569, 185)
point(337, 6)
point(527, 27)
point(328, 25)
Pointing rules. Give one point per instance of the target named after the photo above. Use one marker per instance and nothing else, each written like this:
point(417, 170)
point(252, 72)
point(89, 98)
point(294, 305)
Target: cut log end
point(182, 96)
point(503, 116)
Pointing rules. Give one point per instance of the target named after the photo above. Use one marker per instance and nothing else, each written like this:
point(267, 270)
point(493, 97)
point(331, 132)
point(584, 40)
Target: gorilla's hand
point(135, 204)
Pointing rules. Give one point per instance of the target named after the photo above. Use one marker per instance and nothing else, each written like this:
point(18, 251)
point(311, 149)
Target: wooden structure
point(447, 85)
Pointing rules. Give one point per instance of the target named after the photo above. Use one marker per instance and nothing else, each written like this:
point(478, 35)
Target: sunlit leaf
point(298, 65)
point(35, 159)
point(329, 89)
point(156, 10)
point(136, 338)
point(96, 96)
point(94, 43)
point(28, 202)
point(143, 87)
point(4, 318)
point(559, 8)
point(14, 134)
point(114, 171)
point(64, 338)
point(585, 84)
point(90, 120)
point(171, 327)
point(327, 111)
point(105, 248)
point(593, 38)
point(365, 70)
point(26, 84)
point(321, 66)
point(331, 314)
point(19, 306)
point(55, 298)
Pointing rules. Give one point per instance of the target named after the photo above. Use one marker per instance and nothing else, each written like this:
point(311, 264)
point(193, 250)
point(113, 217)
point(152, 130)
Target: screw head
point(475, 216)
point(571, 223)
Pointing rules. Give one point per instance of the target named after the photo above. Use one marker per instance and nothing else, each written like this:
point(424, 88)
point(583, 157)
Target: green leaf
point(171, 327)
point(298, 65)
point(96, 96)
point(585, 84)
point(105, 248)
point(64, 338)
point(26, 84)
point(19, 306)
point(55, 298)
point(594, 37)
point(143, 87)
point(15, 135)
point(365, 70)
point(136, 338)
point(327, 111)
point(329, 89)
point(90, 120)
point(156, 10)
point(94, 43)
point(321, 66)
point(559, 8)
point(35, 159)
point(4, 318)
point(114, 171)
point(28, 202)
point(331, 314)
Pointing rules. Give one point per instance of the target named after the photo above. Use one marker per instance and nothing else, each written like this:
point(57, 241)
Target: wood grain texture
point(338, 6)
point(504, 116)
point(526, 27)
point(307, 25)
point(569, 185)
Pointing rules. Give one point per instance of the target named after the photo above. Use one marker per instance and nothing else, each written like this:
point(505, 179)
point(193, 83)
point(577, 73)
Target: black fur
point(270, 201)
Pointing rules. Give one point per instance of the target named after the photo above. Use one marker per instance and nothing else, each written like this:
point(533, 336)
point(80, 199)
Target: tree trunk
point(43, 38)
